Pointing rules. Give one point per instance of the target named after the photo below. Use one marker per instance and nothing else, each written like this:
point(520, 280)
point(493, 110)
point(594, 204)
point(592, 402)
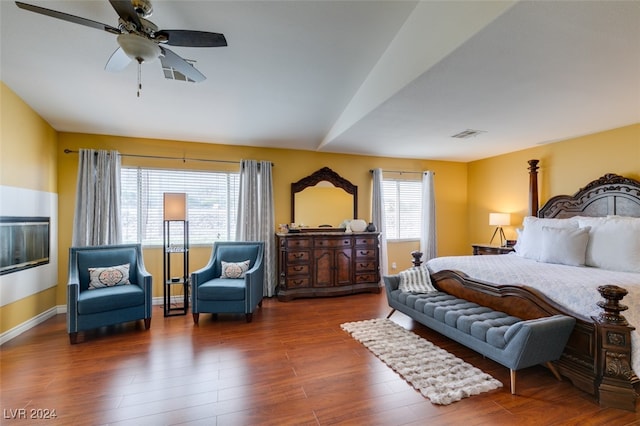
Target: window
point(402, 208)
point(212, 204)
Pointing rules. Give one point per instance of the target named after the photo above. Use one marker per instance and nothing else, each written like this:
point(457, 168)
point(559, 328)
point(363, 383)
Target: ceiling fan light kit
point(138, 48)
point(140, 39)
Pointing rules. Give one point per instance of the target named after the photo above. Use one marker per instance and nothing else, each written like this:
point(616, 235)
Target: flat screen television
point(24, 243)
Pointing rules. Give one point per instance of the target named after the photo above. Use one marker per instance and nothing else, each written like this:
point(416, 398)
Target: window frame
point(231, 178)
point(398, 181)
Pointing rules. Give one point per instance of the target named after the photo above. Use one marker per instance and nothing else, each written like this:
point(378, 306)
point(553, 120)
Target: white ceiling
point(388, 78)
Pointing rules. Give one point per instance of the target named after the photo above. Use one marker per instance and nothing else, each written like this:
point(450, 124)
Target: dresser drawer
point(302, 282)
point(298, 243)
point(301, 269)
point(363, 253)
point(332, 242)
point(367, 278)
point(366, 266)
point(298, 256)
point(366, 241)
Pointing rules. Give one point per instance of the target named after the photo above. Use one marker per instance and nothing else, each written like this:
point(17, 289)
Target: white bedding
point(574, 287)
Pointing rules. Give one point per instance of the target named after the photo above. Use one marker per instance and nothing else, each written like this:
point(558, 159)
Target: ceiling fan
point(140, 40)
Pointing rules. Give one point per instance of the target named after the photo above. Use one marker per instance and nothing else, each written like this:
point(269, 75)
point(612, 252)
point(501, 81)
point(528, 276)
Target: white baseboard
point(60, 309)
point(30, 323)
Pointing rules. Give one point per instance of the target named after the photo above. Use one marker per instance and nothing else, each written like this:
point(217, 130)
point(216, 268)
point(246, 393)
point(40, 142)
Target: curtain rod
point(69, 151)
point(399, 171)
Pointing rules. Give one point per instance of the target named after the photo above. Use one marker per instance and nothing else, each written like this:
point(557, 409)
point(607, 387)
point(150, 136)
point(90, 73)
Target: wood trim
point(329, 175)
point(533, 187)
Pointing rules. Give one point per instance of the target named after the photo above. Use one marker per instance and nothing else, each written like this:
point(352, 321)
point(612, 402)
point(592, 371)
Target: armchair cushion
point(222, 289)
point(109, 299)
point(101, 257)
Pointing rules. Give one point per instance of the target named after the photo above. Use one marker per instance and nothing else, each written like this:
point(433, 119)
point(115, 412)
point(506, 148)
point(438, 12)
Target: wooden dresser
point(320, 264)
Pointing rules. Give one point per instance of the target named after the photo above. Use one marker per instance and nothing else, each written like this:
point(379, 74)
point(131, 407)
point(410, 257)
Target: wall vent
point(469, 133)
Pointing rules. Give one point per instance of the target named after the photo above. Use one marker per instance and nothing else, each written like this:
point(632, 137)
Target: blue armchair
point(102, 296)
point(232, 281)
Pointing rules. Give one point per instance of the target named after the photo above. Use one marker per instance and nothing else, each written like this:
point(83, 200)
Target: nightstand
point(483, 249)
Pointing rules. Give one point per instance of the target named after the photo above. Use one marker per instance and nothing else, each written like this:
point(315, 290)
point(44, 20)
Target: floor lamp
point(499, 220)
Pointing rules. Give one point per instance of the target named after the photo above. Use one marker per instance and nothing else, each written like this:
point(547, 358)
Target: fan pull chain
point(139, 78)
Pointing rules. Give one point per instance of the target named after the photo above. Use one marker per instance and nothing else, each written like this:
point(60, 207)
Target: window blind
point(402, 208)
point(212, 203)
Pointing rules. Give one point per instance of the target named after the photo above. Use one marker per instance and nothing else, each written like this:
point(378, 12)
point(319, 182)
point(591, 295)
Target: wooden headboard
point(609, 195)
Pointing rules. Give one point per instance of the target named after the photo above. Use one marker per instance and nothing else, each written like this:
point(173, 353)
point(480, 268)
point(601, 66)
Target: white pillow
point(567, 246)
point(416, 280)
point(590, 221)
point(529, 242)
point(614, 244)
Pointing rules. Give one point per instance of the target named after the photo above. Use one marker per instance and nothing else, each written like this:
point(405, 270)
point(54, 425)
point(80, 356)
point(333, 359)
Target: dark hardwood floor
point(291, 365)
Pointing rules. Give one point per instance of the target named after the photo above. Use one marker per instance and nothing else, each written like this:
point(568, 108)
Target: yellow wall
point(500, 184)
point(32, 156)
point(290, 166)
point(27, 160)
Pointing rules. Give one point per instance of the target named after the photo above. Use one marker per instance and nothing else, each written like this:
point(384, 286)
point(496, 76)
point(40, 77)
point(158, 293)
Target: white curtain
point(256, 217)
point(428, 218)
point(97, 219)
point(377, 217)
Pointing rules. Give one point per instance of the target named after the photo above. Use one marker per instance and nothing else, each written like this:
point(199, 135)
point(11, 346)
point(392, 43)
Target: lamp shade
point(499, 219)
point(175, 206)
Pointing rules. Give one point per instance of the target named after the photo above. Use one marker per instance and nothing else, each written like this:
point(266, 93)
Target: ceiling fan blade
point(171, 60)
point(67, 17)
point(118, 61)
point(125, 10)
point(189, 38)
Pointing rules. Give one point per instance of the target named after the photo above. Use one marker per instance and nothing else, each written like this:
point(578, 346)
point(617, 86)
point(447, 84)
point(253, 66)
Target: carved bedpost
point(533, 187)
point(417, 258)
point(615, 376)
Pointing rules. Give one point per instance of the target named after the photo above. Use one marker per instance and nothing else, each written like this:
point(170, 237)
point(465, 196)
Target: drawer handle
point(298, 282)
point(298, 268)
point(364, 252)
point(298, 255)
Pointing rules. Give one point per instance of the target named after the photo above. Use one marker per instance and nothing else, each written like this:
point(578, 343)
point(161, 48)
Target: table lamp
point(499, 220)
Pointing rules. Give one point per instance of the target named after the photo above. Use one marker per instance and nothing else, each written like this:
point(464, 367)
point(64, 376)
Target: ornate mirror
point(323, 198)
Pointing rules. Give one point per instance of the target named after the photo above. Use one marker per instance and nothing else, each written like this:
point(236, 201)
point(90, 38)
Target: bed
point(603, 353)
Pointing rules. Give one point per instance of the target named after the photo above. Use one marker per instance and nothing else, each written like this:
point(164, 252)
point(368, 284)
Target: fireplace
point(24, 243)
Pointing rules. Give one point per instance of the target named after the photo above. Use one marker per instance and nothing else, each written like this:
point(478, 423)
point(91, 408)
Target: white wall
point(25, 202)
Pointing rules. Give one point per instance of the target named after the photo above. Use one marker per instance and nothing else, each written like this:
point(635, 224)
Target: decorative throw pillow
point(416, 280)
point(566, 246)
point(109, 276)
point(234, 269)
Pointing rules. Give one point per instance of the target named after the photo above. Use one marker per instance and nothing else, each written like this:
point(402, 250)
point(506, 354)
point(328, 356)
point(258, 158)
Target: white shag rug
point(437, 374)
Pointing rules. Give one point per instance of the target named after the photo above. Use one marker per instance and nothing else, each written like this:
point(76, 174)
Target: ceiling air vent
point(469, 133)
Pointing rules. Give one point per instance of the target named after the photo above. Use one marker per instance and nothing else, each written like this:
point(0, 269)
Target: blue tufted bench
point(510, 341)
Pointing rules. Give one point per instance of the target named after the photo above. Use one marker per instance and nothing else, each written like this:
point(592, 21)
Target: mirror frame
point(329, 175)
